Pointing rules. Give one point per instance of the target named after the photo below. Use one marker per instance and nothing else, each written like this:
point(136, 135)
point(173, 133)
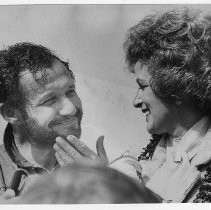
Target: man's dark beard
point(30, 131)
point(35, 134)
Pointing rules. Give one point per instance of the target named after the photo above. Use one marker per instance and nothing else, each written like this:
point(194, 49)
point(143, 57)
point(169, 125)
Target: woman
point(170, 55)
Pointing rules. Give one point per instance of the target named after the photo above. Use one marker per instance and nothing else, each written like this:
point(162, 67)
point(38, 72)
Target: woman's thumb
point(101, 150)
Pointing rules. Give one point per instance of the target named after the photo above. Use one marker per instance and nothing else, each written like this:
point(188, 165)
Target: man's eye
point(49, 101)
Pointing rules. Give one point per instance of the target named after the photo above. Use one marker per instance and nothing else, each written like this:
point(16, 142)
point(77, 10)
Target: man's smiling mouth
point(67, 122)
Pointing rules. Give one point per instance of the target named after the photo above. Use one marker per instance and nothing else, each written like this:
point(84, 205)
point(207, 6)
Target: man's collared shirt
point(14, 167)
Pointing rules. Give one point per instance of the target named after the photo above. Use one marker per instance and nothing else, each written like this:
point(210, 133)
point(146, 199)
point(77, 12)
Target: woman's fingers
point(66, 150)
point(81, 147)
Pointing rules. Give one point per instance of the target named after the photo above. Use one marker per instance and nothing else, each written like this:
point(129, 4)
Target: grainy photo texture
point(105, 104)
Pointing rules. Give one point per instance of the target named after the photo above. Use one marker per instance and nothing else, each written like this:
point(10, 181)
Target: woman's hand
point(73, 150)
point(6, 196)
point(127, 164)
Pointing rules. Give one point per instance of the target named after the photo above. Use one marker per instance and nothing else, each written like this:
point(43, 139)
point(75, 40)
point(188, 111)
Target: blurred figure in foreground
point(86, 184)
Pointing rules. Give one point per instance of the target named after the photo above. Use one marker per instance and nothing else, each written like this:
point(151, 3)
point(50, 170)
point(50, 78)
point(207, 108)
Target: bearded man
point(39, 102)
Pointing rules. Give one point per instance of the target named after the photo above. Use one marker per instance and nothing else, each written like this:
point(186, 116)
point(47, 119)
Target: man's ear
point(9, 113)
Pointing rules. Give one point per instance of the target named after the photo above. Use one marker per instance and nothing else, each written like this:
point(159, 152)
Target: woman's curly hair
point(176, 45)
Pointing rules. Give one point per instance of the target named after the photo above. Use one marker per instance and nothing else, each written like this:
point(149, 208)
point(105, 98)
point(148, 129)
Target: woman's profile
point(170, 56)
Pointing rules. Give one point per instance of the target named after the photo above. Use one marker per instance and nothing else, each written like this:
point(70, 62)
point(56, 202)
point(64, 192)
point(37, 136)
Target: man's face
point(52, 108)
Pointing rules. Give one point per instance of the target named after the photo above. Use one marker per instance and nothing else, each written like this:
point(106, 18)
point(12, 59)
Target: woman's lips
point(147, 117)
point(147, 112)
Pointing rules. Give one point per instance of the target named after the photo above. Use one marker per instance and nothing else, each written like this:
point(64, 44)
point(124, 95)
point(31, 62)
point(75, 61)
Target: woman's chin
point(152, 130)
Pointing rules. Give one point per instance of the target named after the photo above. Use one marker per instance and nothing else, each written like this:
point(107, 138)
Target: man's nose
point(137, 102)
point(67, 107)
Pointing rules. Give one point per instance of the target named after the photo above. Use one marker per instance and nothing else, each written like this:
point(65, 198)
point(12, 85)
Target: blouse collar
point(193, 140)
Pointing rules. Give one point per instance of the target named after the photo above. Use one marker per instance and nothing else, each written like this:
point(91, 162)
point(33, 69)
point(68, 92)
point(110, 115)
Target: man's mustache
point(64, 119)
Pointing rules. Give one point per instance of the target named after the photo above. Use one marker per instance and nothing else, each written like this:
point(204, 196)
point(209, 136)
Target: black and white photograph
point(105, 103)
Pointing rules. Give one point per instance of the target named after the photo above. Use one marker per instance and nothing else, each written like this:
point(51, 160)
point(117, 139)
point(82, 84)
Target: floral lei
point(204, 191)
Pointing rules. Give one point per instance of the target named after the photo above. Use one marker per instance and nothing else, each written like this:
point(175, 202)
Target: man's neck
point(38, 155)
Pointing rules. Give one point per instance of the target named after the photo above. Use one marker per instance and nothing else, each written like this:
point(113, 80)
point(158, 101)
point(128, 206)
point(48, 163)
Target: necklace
point(204, 191)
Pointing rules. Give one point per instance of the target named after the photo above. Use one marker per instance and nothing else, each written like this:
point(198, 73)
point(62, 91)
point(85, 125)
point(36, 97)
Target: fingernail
point(70, 137)
point(10, 193)
point(55, 146)
point(58, 139)
point(126, 153)
point(101, 138)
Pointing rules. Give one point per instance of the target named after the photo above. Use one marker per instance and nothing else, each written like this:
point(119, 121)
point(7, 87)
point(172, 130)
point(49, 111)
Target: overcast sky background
point(90, 37)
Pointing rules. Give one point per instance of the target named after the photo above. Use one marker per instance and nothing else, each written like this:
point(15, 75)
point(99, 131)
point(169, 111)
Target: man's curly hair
point(176, 46)
point(18, 58)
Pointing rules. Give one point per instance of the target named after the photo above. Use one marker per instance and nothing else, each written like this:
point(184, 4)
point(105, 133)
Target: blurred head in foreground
point(81, 184)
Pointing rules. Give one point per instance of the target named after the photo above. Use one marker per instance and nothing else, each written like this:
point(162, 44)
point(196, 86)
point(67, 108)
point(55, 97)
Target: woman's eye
point(70, 92)
point(142, 87)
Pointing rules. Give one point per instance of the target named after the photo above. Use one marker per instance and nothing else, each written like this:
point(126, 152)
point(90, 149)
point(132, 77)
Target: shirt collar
point(15, 155)
point(191, 141)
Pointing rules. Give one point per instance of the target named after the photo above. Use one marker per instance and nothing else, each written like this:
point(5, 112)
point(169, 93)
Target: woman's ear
point(9, 113)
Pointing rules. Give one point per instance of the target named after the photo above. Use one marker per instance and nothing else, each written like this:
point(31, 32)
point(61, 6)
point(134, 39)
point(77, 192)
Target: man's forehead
point(44, 78)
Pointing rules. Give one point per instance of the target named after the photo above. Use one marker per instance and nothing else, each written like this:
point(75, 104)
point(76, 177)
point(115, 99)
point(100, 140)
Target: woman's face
point(160, 115)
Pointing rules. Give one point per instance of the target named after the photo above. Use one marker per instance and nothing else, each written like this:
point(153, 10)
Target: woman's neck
point(183, 123)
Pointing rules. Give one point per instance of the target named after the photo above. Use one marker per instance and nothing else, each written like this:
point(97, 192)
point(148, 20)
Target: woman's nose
point(67, 107)
point(137, 102)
